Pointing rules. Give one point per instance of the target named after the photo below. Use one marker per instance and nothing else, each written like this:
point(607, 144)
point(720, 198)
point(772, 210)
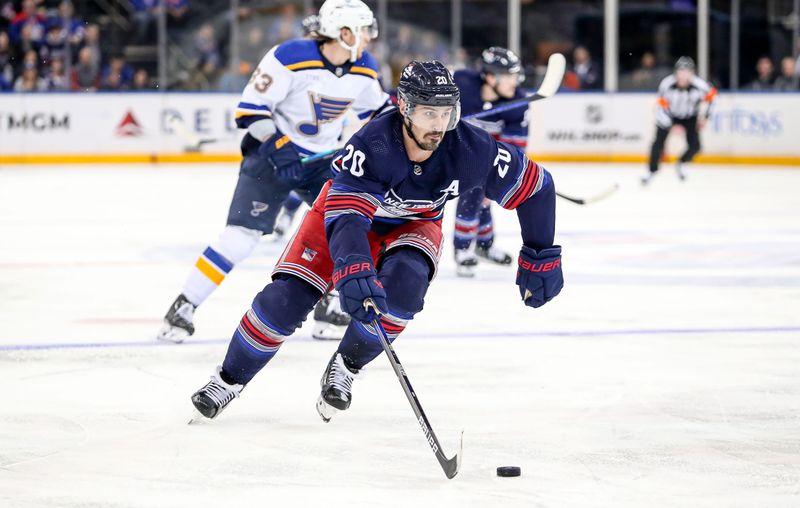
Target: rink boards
point(587, 127)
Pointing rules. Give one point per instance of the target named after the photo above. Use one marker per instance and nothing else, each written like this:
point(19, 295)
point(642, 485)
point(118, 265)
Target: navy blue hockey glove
point(356, 280)
point(282, 156)
point(539, 275)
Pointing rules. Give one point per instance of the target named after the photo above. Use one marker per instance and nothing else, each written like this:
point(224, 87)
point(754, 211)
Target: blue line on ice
point(450, 335)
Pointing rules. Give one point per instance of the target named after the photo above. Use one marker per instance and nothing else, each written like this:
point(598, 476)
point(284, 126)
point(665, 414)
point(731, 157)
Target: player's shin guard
point(277, 311)
point(404, 275)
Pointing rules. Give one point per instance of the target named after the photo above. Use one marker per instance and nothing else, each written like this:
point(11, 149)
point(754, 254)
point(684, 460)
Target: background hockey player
point(293, 107)
point(382, 216)
point(496, 82)
point(680, 97)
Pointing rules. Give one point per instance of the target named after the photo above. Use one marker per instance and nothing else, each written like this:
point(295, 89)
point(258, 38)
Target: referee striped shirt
point(682, 103)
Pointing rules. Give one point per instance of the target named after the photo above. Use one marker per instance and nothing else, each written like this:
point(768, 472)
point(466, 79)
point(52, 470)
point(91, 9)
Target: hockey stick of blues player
point(449, 466)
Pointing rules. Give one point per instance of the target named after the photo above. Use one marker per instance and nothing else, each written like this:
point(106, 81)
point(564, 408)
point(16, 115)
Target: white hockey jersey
point(307, 97)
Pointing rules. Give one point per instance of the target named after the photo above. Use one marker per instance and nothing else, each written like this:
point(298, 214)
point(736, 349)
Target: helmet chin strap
point(354, 48)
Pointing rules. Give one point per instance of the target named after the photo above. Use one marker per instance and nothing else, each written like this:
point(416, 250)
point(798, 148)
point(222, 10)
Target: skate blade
point(197, 417)
point(172, 334)
point(325, 410)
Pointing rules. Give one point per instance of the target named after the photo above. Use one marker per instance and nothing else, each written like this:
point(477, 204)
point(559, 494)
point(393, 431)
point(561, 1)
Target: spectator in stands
point(55, 43)
point(91, 41)
point(144, 18)
point(787, 81)
point(288, 25)
point(587, 71)
point(647, 76)
point(29, 81)
point(235, 82)
point(56, 77)
point(6, 63)
point(117, 75)
point(26, 40)
point(141, 80)
point(206, 46)
point(7, 13)
point(765, 79)
point(177, 11)
point(85, 72)
point(33, 19)
point(72, 26)
point(29, 59)
point(253, 47)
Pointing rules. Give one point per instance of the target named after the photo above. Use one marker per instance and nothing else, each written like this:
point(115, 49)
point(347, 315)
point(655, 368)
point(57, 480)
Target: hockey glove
point(282, 156)
point(539, 275)
point(356, 280)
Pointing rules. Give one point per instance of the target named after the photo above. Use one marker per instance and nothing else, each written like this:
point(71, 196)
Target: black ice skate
point(466, 261)
point(336, 383)
point(330, 322)
point(494, 255)
point(215, 396)
point(178, 321)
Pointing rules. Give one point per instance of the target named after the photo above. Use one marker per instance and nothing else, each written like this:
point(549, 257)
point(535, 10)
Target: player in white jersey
point(293, 108)
point(681, 97)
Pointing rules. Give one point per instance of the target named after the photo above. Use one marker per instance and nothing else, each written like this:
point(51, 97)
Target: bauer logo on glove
point(539, 275)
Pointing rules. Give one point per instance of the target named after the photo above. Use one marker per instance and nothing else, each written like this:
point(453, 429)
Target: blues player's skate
point(337, 384)
point(466, 261)
point(178, 322)
point(330, 322)
point(215, 396)
point(494, 255)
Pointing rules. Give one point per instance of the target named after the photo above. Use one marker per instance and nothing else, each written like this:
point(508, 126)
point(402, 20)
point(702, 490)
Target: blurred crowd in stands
point(46, 46)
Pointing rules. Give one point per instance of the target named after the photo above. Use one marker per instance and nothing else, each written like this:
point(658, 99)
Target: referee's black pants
point(692, 139)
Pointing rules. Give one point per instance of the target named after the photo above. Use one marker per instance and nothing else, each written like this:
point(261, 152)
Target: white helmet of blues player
point(351, 14)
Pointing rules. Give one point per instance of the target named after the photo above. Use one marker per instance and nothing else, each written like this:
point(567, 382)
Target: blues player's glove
point(539, 275)
point(356, 280)
point(282, 156)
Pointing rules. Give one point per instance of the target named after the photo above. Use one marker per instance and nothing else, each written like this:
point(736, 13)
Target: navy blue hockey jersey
point(377, 186)
point(510, 126)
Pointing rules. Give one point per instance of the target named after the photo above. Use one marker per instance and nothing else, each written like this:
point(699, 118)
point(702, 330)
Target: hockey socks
point(277, 311)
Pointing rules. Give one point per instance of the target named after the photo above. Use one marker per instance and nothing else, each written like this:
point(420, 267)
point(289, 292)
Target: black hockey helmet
point(685, 62)
point(429, 84)
point(497, 60)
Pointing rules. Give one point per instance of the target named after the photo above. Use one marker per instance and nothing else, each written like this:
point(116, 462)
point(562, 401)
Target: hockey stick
point(449, 466)
point(193, 143)
point(556, 66)
point(592, 199)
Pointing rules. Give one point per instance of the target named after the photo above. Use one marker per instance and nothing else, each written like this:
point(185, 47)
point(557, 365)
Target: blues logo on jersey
point(324, 109)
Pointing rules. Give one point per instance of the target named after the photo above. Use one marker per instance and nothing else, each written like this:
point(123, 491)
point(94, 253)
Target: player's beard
point(430, 140)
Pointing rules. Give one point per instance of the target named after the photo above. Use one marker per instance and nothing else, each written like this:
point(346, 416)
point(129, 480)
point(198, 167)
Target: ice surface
point(666, 374)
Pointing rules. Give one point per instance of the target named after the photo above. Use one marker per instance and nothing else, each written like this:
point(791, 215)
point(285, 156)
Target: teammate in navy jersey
point(375, 233)
point(293, 107)
point(495, 83)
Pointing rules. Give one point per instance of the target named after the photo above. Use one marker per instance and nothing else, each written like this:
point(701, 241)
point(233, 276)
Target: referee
point(680, 97)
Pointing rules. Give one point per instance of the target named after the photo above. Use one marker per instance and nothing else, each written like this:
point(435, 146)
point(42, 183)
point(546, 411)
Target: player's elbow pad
point(262, 130)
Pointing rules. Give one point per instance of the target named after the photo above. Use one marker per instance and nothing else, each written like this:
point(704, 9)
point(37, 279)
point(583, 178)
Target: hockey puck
point(508, 471)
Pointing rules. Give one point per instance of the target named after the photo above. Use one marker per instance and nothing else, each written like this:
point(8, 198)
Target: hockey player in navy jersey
point(293, 107)
point(375, 233)
point(496, 82)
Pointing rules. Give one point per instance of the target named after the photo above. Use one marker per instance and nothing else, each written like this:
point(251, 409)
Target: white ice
point(667, 373)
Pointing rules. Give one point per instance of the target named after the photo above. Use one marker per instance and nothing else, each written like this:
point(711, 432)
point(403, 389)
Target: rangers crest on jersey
point(324, 109)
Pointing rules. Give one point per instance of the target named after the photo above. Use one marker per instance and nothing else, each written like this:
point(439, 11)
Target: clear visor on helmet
point(433, 118)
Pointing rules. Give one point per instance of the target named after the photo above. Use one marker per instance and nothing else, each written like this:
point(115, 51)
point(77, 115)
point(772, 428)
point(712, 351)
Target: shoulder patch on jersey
point(299, 54)
point(365, 66)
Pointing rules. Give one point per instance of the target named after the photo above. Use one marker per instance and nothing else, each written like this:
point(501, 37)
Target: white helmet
point(353, 14)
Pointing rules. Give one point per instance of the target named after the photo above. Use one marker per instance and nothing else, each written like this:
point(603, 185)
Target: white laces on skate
point(340, 377)
point(220, 392)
